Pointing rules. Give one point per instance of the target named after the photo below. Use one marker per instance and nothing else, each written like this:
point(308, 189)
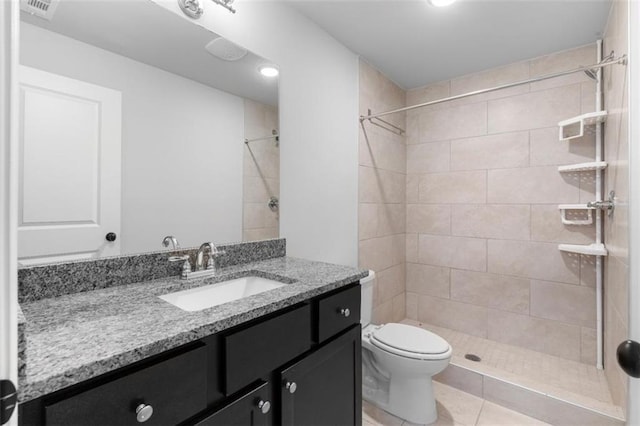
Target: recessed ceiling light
point(441, 3)
point(268, 71)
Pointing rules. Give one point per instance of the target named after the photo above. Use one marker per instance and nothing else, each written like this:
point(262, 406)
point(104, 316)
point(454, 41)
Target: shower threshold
point(552, 389)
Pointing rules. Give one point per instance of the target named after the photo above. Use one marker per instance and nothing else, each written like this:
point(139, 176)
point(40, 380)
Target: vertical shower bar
point(599, 197)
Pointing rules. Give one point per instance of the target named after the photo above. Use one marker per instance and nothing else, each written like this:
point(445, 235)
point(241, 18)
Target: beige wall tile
point(412, 248)
point(491, 221)
point(391, 282)
point(546, 225)
point(470, 319)
point(552, 337)
point(428, 157)
point(563, 61)
point(534, 110)
point(491, 152)
point(262, 160)
point(548, 150)
point(588, 345)
point(383, 312)
point(616, 287)
point(453, 252)
point(259, 215)
point(452, 123)
point(494, 77)
point(367, 221)
point(493, 291)
point(412, 305)
point(428, 93)
point(413, 188)
point(568, 303)
point(381, 186)
point(428, 280)
point(259, 234)
point(587, 271)
point(534, 185)
point(588, 90)
point(398, 306)
point(454, 187)
point(533, 260)
point(429, 219)
point(376, 253)
point(257, 190)
point(383, 153)
point(391, 219)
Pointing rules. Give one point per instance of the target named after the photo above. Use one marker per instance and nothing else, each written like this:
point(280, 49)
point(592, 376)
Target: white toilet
point(398, 362)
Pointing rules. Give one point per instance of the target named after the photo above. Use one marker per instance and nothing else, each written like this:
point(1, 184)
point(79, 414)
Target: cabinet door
point(325, 387)
point(252, 409)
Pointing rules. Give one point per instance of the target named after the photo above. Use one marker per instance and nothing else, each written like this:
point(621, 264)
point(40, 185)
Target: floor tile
point(495, 415)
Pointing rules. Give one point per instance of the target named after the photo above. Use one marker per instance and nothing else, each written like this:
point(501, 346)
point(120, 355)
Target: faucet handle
point(178, 258)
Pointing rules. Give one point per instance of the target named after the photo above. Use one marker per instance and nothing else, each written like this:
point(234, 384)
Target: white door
point(69, 197)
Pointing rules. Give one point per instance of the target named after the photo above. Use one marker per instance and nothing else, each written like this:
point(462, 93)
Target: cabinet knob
point(345, 312)
point(291, 386)
point(264, 406)
point(143, 413)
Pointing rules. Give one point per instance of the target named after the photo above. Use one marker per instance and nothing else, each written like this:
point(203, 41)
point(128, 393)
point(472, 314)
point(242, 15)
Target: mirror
point(137, 123)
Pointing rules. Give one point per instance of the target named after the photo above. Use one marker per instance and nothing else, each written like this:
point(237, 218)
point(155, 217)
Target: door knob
point(143, 413)
point(629, 357)
point(264, 406)
point(291, 387)
point(111, 237)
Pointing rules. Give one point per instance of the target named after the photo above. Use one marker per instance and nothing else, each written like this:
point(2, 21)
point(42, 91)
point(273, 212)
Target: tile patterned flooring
point(572, 381)
point(455, 408)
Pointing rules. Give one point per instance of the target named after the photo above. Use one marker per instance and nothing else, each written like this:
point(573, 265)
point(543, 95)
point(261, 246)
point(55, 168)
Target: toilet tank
point(366, 299)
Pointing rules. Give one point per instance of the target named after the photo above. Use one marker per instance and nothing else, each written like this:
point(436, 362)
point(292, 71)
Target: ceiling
point(415, 44)
point(129, 28)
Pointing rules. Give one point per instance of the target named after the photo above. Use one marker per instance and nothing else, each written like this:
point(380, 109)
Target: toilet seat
point(410, 342)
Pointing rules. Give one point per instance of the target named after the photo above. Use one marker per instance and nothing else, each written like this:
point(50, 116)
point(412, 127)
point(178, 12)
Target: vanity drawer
point(254, 408)
point(338, 312)
point(175, 389)
point(252, 352)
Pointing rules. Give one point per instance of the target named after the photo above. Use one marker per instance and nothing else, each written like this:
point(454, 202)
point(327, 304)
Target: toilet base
point(412, 399)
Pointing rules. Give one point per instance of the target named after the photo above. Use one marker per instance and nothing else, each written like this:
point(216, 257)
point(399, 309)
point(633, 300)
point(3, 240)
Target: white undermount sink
point(199, 298)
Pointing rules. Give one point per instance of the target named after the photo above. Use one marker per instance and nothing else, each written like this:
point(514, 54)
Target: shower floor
point(580, 384)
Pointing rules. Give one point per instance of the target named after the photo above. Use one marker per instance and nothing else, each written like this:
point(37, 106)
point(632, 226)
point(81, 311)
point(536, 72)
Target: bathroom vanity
point(289, 356)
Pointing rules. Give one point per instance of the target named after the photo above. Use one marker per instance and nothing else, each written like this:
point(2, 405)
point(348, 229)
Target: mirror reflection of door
point(70, 164)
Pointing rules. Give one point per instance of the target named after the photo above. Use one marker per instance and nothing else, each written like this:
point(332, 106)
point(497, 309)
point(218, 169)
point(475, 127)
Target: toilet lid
point(410, 339)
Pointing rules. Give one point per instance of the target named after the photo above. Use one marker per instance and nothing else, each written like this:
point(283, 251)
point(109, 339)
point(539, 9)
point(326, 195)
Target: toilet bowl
point(399, 361)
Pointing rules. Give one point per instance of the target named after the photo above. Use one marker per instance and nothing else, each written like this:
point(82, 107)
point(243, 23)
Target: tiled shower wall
point(482, 219)
point(382, 174)
point(261, 172)
point(617, 227)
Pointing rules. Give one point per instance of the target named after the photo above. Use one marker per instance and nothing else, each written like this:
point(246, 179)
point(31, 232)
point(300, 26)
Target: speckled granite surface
point(78, 336)
point(57, 279)
point(22, 344)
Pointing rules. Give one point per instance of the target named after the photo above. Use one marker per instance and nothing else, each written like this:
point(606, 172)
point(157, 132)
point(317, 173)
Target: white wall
point(318, 123)
point(181, 143)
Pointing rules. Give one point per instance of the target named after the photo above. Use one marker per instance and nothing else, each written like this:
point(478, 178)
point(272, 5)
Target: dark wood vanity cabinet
point(298, 366)
point(324, 388)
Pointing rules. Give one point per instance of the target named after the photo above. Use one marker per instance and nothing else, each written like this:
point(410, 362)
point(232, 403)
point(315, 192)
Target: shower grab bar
point(620, 60)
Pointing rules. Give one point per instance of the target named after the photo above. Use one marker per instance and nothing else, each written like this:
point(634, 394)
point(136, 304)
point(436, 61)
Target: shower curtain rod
point(262, 138)
point(620, 60)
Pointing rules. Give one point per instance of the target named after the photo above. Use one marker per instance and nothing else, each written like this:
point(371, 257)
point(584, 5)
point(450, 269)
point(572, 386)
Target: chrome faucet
point(200, 256)
point(176, 257)
point(200, 269)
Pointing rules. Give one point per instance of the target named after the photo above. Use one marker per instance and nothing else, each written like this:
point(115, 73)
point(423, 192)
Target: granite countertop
point(75, 337)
